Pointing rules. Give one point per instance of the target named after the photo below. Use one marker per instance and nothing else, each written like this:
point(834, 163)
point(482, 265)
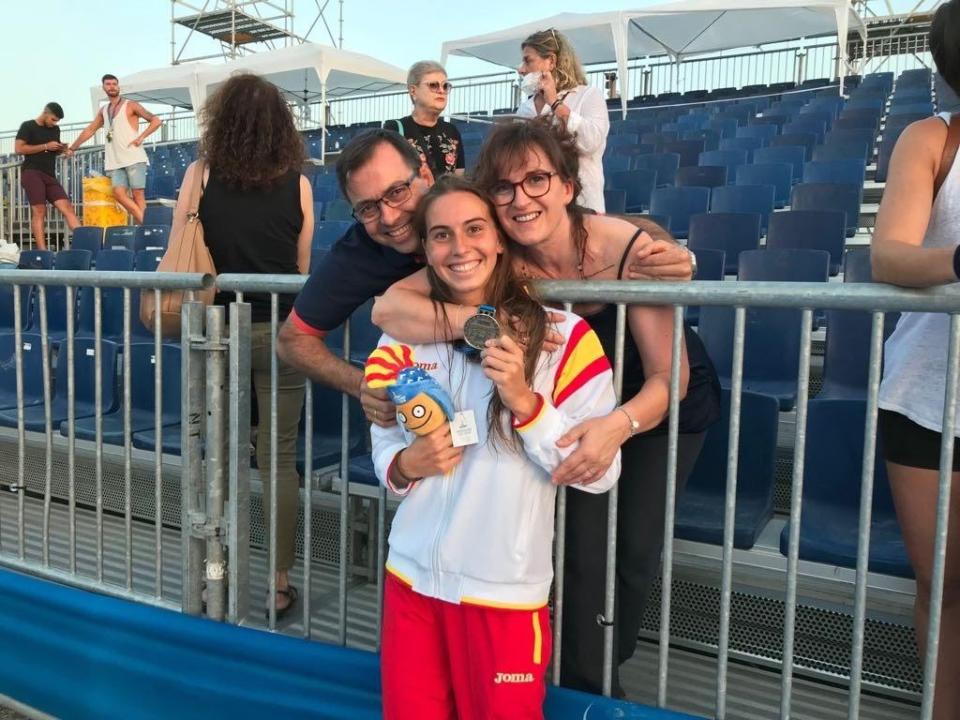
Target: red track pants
point(442, 661)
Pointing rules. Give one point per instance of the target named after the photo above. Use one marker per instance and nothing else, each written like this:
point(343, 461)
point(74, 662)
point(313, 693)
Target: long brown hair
point(504, 291)
point(249, 138)
point(506, 149)
point(569, 72)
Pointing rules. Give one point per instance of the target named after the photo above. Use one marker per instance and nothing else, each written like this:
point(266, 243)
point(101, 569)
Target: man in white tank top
point(124, 157)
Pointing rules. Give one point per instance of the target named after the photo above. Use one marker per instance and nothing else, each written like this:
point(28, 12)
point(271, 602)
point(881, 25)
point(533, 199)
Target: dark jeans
point(642, 495)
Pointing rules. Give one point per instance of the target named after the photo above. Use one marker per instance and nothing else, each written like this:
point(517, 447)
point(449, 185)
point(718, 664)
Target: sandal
point(292, 595)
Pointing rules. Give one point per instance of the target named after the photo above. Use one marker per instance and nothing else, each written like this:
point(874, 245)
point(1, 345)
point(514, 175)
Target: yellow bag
point(99, 207)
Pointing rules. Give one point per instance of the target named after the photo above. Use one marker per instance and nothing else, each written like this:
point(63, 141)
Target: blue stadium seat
point(726, 127)
point(845, 172)
point(637, 185)
point(907, 108)
point(729, 159)
point(622, 139)
point(657, 139)
point(84, 368)
point(764, 372)
point(73, 260)
point(710, 266)
point(857, 121)
point(7, 318)
point(709, 176)
point(147, 260)
point(615, 202)
point(800, 139)
point(856, 265)
point(56, 295)
point(809, 230)
point(616, 163)
point(779, 175)
point(793, 155)
point(679, 204)
point(36, 260)
point(841, 136)
point(111, 299)
point(847, 353)
point(710, 138)
point(146, 237)
point(327, 429)
point(830, 196)
point(164, 186)
point(761, 132)
point(731, 232)
point(362, 471)
point(665, 165)
point(831, 494)
point(32, 364)
point(745, 199)
point(120, 236)
point(873, 103)
point(815, 124)
point(326, 233)
point(87, 237)
point(842, 150)
point(688, 150)
point(338, 210)
point(158, 215)
point(142, 396)
point(700, 510)
point(747, 144)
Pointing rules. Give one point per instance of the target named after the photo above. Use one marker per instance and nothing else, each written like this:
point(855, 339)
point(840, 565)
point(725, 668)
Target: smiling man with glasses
point(437, 141)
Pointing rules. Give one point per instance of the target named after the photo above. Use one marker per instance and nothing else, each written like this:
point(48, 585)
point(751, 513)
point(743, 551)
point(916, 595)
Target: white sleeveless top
point(915, 355)
point(118, 152)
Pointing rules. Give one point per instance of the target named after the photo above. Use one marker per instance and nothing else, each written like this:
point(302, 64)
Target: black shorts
point(41, 188)
point(906, 443)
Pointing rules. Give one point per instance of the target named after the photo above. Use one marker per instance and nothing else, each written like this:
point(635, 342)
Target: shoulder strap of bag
point(196, 192)
point(949, 152)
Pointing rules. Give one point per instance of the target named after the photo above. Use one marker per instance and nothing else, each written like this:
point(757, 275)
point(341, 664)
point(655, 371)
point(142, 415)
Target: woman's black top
point(254, 231)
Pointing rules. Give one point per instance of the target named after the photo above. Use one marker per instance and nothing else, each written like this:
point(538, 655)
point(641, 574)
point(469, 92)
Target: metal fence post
point(192, 501)
point(214, 466)
point(238, 495)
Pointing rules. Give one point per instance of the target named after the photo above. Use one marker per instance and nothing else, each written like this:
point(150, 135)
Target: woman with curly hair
point(257, 214)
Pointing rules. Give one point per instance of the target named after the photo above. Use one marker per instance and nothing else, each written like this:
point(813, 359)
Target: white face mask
point(530, 83)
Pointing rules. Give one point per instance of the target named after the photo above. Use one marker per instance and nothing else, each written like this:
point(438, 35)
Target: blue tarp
point(79, 655)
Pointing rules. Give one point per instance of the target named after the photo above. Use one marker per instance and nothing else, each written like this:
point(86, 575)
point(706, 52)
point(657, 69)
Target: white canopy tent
point(305, 74)
point(678, 30)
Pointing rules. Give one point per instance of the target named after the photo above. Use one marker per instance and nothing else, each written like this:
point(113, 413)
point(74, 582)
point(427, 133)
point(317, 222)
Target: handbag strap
point(197, 190)
point(949, 152)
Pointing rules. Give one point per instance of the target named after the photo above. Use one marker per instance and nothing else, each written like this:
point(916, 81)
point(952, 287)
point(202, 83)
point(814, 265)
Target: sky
point(59, 53)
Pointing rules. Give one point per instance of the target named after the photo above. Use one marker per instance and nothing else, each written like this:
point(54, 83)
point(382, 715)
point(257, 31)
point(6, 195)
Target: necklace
point(528, 275)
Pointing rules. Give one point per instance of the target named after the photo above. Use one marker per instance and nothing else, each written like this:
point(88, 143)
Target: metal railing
point(215, 476)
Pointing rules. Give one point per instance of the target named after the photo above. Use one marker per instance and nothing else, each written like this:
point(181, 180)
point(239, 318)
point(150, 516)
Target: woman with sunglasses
point(529, 170)
point(437, 141)
point(466, 629)
point(554, 85)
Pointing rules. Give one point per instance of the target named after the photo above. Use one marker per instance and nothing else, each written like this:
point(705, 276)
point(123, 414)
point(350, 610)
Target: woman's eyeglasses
point(438, 86)
point(536, 184)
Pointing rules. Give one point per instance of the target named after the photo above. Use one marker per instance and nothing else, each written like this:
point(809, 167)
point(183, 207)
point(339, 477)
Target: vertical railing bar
point(559, 574)
point(608, 619)
point(21, 431)
point(673, 440)
point(344, 497)
point(127, 440)
point(158, 445)
point(866, 507)
point(98, 421)
point(215, 448)
point(308, 505)
point(272, 469)
point(796, 507)
point(943, 520)
point(238, 463)
point(47, 422)
point(71, 432)
point(729, 510)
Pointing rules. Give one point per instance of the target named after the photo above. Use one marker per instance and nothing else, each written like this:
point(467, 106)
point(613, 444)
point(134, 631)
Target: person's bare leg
point(122, 197)
point(915, 496)
point(66, 209)
point(38, 216)
point(140, 200)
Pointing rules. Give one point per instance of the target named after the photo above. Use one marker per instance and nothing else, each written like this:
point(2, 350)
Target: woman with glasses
point(555, 86)
point(437, 141)
point(530, 173)
point(257, 214)
point(466, 628)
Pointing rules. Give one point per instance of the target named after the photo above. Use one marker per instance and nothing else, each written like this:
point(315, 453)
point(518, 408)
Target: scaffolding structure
point(227, 29)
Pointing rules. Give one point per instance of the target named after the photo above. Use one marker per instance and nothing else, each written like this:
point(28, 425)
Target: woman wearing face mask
point(529, 170)
point(554, 84)
point(466, 628)
point(437, 141)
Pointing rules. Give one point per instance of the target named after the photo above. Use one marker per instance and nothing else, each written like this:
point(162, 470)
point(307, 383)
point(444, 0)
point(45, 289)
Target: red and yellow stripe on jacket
point(583, 359)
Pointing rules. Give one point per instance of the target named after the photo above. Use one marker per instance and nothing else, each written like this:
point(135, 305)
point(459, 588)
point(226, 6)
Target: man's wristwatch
point(481, 327)
point(693, 264)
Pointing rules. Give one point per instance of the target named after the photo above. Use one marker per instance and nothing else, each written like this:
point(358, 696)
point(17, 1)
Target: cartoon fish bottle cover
point(422, 404)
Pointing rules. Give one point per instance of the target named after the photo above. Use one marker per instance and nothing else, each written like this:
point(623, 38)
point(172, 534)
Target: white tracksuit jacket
point(483, 534)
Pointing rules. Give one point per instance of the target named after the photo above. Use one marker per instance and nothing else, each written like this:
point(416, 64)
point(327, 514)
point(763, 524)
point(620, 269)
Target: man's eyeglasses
point(536, 184)
point(438, 86)
point(395, 196)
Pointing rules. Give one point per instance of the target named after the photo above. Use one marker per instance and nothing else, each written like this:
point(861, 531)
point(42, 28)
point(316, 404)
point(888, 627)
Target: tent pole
point(323, 122)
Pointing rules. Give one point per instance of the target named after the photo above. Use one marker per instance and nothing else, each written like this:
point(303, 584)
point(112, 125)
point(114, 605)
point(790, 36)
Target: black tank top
point(254, 231)
point(701, 406)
